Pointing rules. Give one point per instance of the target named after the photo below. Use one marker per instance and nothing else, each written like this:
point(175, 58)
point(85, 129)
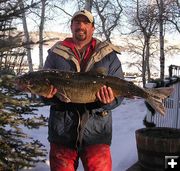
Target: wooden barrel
point(153, 144)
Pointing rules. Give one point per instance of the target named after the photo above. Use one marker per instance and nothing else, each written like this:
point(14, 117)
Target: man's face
point(81, 28)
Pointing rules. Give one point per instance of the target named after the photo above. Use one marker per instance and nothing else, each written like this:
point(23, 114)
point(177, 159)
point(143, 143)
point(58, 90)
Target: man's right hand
point(52, 92)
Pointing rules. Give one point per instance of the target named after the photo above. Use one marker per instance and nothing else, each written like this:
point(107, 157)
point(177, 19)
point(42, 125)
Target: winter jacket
point(78, 125)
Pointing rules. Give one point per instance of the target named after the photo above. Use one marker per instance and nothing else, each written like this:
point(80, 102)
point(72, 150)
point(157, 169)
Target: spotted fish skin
point(82, 87)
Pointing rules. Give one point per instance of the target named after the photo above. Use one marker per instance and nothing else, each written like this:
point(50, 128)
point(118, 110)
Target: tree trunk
point(147, 58)
point(144, 64)
point(27, 40)
point(26, 34)
point(41, 29)
point(88, 5)
point(161, 39)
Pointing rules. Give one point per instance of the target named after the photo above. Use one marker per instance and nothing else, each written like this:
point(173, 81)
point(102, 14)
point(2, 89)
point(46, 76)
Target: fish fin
point(99, 70)
point(156, 97)
point(63, 97)
point(157, 105)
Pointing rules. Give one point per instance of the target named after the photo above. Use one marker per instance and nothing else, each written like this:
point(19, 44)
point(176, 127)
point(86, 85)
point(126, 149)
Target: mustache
point(77, 30)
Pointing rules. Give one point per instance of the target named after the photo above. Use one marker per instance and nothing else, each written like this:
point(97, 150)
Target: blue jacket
point(79, 125)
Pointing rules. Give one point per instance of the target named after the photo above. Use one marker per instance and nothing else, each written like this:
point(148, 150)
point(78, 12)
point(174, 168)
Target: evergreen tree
point(17, 150)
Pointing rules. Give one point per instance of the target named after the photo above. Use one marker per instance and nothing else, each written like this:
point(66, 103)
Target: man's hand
point(52, 92)
point(105, 95)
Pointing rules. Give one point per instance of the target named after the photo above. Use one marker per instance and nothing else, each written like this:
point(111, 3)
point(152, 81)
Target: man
point(82, 130)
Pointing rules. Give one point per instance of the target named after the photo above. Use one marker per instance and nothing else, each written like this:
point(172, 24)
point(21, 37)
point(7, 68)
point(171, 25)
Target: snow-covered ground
point(127, 118)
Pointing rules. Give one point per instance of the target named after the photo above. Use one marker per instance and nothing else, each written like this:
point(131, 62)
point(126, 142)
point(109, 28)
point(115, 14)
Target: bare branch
point(63, 10)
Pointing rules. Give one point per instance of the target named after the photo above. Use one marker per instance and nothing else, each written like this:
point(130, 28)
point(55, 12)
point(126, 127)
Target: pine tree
point(17, 149)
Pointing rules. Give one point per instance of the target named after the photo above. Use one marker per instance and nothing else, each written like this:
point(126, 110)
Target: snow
point(127, 118)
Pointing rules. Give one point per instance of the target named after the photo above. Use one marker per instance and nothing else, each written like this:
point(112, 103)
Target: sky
point(127, 118)
point(56, 19)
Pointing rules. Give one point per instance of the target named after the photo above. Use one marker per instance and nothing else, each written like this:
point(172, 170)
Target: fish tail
point(156, 97)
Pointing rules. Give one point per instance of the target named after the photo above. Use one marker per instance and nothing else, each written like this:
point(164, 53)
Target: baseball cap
point(85, 13)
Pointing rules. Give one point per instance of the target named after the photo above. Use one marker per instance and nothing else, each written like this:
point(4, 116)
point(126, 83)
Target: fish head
point(22, 83)
point(33, 83)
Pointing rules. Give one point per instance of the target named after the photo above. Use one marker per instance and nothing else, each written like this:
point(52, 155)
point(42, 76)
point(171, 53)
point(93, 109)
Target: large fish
point(79, 87)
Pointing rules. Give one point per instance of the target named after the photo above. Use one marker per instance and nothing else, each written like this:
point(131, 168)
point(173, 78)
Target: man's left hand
point(105, 95)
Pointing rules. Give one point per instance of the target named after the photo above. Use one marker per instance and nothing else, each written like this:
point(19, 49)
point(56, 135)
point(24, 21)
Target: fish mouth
point(21, 86)
point(18, 85)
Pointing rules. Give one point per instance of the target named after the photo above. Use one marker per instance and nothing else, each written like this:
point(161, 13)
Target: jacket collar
point(101, 49)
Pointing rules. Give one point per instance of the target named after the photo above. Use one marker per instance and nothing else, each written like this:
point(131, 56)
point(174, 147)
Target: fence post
point(170, 70)
point(177, 105)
